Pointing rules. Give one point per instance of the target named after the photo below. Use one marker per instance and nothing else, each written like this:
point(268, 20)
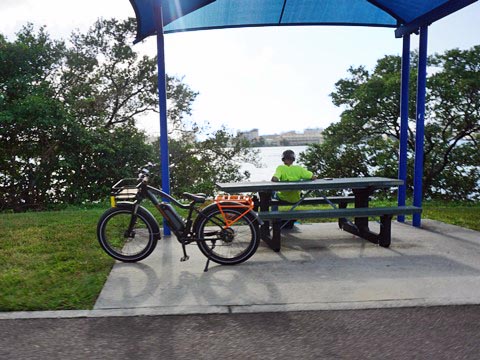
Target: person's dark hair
point(288, 155)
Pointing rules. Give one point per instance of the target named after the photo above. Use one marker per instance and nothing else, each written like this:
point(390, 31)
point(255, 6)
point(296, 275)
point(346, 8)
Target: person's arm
point(278, 174)
point(308, 175)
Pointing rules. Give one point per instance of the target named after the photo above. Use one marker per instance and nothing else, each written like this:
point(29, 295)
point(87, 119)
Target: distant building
point(292, 138)
point(251, 135)
point(309, 136)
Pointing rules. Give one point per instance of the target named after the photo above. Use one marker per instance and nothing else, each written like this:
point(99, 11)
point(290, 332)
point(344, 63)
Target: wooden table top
point(326, 184)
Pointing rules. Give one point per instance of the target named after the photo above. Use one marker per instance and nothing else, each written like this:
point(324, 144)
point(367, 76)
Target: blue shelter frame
point(159, 17)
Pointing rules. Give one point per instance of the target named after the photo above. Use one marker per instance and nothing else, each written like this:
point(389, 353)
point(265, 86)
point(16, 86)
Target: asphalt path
point(445, 332)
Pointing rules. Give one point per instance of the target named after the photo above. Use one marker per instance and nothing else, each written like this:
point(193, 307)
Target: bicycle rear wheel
point(227, 245)
point(115, 238)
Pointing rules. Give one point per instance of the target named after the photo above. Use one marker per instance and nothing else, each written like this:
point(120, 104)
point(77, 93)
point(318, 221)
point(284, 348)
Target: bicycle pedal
point(184, 258)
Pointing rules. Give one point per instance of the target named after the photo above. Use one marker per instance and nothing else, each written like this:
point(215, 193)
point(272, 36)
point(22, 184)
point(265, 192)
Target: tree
point(197, 165)
point(32, 121)
point(67, 129)
point(68, 113)
point(451, 135)
point(105, 82)
point(368, 131)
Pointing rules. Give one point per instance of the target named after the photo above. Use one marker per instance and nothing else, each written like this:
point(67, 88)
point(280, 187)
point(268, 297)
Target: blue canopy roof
point(186, 15)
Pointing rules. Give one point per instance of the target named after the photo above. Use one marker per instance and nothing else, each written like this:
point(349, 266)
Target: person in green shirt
point(290, 172)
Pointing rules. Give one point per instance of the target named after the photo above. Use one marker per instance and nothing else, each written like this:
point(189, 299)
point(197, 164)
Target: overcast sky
point(274, 79)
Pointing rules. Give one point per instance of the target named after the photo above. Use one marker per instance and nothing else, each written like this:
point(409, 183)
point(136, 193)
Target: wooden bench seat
point(359, 228)
point(338, 213)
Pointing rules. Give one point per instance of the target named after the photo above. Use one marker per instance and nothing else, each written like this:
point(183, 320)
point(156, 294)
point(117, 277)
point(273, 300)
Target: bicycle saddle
point(198, 198)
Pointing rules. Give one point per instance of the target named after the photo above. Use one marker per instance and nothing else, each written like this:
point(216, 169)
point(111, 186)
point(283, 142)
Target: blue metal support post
point(420, 128)
point(162, 103)
point(404, 94)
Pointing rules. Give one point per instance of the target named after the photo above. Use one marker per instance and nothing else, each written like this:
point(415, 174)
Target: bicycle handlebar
point(144, 171)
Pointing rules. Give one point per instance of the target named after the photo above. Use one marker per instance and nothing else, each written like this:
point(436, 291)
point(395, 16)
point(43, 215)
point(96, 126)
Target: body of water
point(269, 159)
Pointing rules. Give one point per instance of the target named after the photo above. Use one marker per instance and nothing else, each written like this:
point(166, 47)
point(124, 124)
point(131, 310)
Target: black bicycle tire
point(204, 217)
point(144, 216)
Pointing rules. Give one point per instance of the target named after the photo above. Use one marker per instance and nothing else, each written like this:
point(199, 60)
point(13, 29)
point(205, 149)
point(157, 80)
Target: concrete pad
point(319, 267)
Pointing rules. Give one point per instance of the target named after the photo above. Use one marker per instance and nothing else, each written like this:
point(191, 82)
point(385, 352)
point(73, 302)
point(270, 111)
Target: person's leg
point(288, 224)
point(274, 196)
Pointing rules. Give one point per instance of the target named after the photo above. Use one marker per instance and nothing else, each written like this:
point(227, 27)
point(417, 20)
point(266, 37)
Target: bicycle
point(226, 231)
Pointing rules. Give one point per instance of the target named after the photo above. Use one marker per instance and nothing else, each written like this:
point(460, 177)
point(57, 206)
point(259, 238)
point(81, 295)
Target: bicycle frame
point(212, 226)
point(184, 235)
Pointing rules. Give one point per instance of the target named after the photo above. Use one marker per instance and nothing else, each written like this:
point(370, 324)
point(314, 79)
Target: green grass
point(464, 215)
point(52, 260)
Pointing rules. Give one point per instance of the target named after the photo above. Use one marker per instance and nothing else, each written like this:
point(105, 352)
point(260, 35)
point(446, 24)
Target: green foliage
point(365, 141)
point(68, 112)
point(104, 81)
point(110, 155)
point(322, 159)
point(33, 121)
point(53, 150)
point(196, 166)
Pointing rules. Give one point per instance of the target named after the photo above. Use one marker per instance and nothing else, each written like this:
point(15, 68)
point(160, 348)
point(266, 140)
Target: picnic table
point(361, 187)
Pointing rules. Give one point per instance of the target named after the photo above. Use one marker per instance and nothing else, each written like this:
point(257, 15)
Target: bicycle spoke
point(124, 239)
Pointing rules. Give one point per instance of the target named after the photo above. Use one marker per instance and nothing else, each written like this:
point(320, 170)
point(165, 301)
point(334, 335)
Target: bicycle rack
point(241, 202)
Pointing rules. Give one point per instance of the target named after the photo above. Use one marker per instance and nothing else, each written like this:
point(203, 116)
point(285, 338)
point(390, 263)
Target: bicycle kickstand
point(185, 256)
point(206, 265)
point(208, 260)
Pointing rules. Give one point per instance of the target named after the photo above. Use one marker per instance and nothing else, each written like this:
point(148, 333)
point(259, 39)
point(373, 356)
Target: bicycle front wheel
point(121, 243)
point(227, 245)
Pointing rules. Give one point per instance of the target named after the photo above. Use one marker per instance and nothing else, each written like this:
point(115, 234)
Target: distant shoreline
point(281, 146)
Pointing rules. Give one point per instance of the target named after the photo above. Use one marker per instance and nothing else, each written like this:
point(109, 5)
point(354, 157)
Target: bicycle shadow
point(162, 280)
point(127, 285)
point(230, 286)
